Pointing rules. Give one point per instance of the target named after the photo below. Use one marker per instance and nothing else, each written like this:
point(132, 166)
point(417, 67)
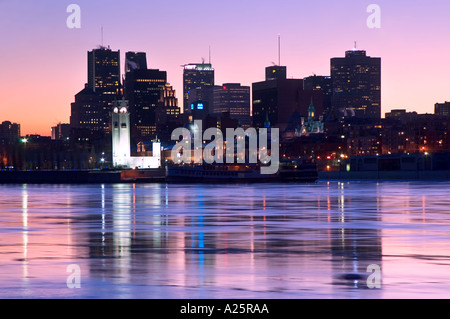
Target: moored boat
point(295, 170)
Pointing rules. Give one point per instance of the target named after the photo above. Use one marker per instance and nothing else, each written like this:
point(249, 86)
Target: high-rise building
point(276, 72)
point(322, 84)
point(442, 109)
point(281, 102)
point(168, 109)
point(356, 85)
point(104, 71)
point(135, 61)
point(274, 101)
point(197, 78)
point(143, 89)
point(168, 115)
point(9, 132)
point(233, 98)
point(87, 111)
point(92, 107)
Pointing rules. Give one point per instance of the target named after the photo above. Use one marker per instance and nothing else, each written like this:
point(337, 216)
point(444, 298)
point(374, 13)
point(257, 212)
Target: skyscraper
point(167, 113)
point(135, 61)
point(233, 98)
point(274, 101)
point(92, 107)
point(276, 72)
point(104, 71)
point(143, 88)
point(322, 84)
point(282, 102)
point(9, 132)
point(356, 85)
point(197, 78)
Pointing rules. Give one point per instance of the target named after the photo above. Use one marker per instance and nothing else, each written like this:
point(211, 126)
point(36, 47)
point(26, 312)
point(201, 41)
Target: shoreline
point(158, 176)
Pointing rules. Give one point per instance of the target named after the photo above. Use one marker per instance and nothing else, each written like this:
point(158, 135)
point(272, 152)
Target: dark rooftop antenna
point(279, 49)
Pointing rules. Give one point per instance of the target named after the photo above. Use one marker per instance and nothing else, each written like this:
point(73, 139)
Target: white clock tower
point(121, 134)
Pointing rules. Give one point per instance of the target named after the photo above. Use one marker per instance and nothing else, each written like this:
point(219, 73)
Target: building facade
point(121, 142)
point(9, 132)
point(197, 78)
point(61, 132)
point(92, 107)
point(234, 99)
point(356, 82)
point(143, 89)
point(442, 109)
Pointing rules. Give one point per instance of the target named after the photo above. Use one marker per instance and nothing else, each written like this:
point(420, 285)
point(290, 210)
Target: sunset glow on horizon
point(44, 63)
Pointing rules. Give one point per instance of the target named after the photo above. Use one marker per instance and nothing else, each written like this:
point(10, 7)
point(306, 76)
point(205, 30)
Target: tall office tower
point(135, 61)
point(167, 113)
point(356, 85)
point(232, 98)
point(197, 78)
point(168, 102)
point(276, 72)
point(104, 71)
point(92, 107)
point(9, 132)
point(87, 111)
point(322, 84)
point(282, 103)
point(143, 89)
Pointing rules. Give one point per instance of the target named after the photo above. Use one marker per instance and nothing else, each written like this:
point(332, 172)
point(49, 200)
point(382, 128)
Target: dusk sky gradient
point(44, 63)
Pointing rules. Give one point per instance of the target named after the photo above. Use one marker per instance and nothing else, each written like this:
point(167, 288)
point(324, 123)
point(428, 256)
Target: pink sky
point(44, 64)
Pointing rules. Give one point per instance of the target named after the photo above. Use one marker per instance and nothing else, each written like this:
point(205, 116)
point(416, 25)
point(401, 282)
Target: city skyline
point(42, 50)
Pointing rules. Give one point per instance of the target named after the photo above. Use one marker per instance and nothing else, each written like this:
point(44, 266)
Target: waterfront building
point(197, 79)
point(143, 89)
point(121, 142)
point(234, 99)
point(356, 82)
point(91, 109)
point(312, 125)
point(283, 102)
point(322, 84)
point(168, 113)
point(409, 132)
point(9, 132)
point(61, 132)
point(442, 109)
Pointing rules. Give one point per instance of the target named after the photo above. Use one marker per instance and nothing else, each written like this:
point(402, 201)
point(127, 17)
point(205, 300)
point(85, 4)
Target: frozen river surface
point(263, 241)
